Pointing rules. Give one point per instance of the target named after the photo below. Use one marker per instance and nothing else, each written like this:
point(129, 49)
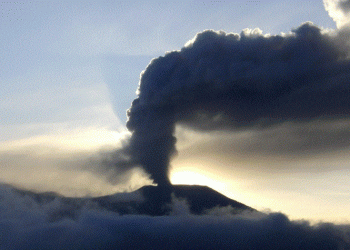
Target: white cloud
point(339, 10)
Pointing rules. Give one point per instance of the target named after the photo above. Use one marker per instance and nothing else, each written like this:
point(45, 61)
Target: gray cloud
point(234, 82)
point(344, 6)
point(282, 143)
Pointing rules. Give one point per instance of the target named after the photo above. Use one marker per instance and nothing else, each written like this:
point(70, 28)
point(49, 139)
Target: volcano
point(148, 200)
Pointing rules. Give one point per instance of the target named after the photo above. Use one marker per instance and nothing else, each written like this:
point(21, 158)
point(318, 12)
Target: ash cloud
point(27, 224)
point(230, 82)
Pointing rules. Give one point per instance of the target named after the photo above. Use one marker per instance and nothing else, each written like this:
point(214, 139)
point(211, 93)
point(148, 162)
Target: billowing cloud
point(231, 82)
point(26, 224)
point(339, 10)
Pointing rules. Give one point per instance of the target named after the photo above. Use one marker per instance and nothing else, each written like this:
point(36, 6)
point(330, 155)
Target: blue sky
point(69, 71)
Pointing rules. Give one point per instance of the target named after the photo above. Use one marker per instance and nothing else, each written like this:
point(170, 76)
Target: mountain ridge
point(147, 200)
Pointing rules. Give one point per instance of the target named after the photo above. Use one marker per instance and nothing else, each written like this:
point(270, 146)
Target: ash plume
point(225, 81)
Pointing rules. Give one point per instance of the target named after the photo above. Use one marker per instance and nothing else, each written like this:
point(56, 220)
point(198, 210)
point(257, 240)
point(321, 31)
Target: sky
point(70, 70)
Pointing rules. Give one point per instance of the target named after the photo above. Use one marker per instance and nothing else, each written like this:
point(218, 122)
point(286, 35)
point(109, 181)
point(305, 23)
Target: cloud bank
point(231, 82)
point(72, 164)
point(26, 224)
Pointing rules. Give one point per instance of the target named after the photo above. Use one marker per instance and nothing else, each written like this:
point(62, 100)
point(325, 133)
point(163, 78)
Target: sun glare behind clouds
point(183, 176)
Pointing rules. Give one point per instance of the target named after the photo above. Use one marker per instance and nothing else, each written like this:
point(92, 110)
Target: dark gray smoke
point(224, 81)
point(345, 6)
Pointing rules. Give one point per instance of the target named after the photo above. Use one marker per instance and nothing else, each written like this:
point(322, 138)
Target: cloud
point(339, 10)
point(26, 224)
point(59, 129)
point(77, 163)
point(232, 82)
point(288, 147)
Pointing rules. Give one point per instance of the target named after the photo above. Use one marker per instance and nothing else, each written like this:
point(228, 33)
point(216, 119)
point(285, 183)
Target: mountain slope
point(148, 200)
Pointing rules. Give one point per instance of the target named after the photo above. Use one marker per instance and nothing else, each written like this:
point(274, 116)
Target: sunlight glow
point(194, 178)
point(76, 139)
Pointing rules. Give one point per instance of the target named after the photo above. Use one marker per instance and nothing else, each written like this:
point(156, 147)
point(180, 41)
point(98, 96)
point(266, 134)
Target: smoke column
point(230, 81)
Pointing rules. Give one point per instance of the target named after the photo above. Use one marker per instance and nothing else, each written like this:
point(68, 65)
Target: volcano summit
point(148, 200)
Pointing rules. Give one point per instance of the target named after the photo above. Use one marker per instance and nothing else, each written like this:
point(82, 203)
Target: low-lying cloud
point(52, 164)
point(26, 224)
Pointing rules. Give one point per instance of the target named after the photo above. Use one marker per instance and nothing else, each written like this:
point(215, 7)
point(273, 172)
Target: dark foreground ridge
point(148, 200)
point(30, 220)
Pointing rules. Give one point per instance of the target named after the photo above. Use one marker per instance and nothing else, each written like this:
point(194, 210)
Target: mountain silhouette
point(148, 200)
